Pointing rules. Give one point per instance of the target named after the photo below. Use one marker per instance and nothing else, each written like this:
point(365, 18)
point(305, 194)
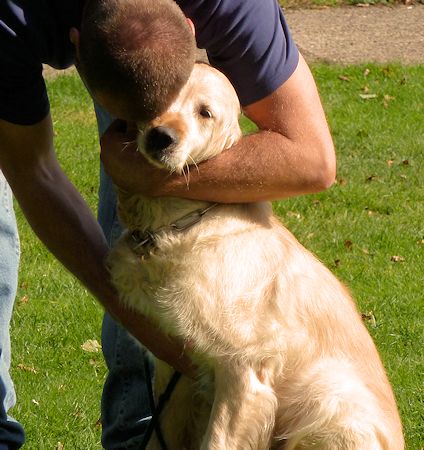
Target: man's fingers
point(117, 126)
point(121, 130)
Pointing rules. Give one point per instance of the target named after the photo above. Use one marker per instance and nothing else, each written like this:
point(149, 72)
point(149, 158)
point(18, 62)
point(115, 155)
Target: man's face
point(112, 104)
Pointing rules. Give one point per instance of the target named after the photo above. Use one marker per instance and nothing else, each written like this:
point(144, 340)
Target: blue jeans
point(125, 402)
point(11, 433)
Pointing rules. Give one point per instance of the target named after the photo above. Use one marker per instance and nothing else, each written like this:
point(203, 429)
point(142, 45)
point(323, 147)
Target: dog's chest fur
point(203, 280)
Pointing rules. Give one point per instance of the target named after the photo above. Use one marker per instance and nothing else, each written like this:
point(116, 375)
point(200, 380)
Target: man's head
point(135, 55)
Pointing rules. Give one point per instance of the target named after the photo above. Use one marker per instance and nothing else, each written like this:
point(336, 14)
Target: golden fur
point(284, 359)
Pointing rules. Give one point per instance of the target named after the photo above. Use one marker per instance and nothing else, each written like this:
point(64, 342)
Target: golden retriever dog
point(284, 359)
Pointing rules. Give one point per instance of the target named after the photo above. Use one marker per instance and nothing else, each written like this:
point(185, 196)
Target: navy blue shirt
point(248, 40)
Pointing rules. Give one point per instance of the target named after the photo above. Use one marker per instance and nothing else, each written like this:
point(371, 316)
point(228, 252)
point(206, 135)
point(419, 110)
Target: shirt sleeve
point(248, 40)
point(23, 94)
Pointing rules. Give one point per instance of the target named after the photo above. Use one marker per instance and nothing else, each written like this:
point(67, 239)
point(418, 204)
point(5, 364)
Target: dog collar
point(143, 242)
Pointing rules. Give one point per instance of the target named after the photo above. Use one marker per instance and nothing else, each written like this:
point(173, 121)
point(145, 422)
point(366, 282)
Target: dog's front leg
point(243, 413)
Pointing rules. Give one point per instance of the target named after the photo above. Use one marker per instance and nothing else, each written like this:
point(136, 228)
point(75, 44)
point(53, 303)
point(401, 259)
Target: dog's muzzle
point(159, 141)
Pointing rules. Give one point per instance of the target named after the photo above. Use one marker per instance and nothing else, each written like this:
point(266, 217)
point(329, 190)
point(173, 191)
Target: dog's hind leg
point(329, 407)
point(243, 412)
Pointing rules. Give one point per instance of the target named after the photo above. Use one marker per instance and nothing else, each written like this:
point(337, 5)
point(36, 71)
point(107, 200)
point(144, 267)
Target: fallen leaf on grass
point(26, 368)
point(372, 178)
point(366, 251)
point(293, 214)
point(368, 96)
point(23, 300)
point(397, 258)
point(348, 245)
point(35, 402)
point(344, 78)
point(78, 413)
point(370, 212)
point(91, 346)
point(60, 446)
point(369, 317)
point(387, 99)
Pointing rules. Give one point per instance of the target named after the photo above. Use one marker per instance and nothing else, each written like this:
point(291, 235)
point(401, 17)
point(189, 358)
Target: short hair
point(139, 51)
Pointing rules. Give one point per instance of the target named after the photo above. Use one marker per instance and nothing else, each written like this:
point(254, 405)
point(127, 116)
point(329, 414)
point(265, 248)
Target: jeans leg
point(11, 433)
point(125, 404)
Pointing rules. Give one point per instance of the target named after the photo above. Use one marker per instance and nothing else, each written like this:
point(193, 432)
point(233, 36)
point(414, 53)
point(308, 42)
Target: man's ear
point(191, 25)
point(74, 36)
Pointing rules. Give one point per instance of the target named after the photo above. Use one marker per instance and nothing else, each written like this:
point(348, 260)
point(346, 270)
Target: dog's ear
point(232, 137)
point(232, 131)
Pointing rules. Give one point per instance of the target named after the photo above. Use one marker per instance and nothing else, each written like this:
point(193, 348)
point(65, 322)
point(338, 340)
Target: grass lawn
point(368, 228)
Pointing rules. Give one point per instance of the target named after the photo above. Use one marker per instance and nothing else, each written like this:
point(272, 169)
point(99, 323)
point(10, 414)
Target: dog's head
point(202, 122)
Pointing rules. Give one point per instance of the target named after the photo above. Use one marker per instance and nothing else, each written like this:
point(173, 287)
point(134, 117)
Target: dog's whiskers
point(186, 175)
point(194, 163)
point(127, 144)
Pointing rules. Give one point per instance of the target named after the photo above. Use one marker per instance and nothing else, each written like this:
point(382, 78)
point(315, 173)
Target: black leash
point(154, 424)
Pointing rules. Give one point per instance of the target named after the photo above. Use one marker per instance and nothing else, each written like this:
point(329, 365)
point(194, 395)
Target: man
point(291, 154)
point(32, 32)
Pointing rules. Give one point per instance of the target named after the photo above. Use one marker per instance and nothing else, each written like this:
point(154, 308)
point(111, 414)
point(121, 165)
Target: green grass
point(374, 213)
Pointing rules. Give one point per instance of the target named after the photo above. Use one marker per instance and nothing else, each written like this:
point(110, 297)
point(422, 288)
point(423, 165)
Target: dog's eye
point(205, 112)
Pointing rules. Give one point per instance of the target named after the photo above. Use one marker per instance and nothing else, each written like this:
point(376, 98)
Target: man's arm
point(62, 220)
point(291, 154)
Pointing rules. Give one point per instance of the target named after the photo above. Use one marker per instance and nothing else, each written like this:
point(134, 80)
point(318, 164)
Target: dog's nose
point(159, 139)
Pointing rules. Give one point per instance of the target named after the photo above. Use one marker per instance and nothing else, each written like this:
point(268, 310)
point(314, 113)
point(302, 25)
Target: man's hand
point(126, 166)
point(170, 351)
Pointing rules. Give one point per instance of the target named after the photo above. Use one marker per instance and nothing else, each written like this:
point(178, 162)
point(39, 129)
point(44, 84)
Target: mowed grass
point(368, 228)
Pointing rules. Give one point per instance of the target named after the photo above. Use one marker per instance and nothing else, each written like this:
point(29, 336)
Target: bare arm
point(62, 220)
point(291, 154)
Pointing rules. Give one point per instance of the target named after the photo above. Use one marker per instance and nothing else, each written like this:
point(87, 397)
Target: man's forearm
point(62, 220)
point(255, 170)
point(262, 166)
point(53, 207)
